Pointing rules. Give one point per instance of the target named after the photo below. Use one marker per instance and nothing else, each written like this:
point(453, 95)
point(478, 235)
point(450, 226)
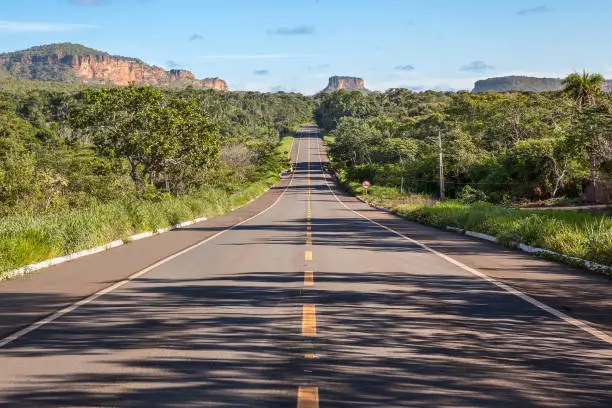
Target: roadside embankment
point(577, 238)
point(29, 242)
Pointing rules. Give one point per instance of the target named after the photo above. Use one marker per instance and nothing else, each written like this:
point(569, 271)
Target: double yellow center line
point(308, 397)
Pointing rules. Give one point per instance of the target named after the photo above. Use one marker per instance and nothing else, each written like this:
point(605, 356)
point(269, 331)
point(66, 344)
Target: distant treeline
point(65, 147)
point(501, 147)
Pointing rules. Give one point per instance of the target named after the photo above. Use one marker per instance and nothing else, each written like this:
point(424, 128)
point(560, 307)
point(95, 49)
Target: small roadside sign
point(366, 184)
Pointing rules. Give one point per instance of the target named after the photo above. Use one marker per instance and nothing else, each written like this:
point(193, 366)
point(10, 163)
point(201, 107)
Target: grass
point(573, 233)
point(285, 145)
point(381, 196)
point(30, 239)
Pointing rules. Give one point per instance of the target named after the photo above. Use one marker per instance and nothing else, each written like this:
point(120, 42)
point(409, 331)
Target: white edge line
point(68, 309)
point(24, 270)
point(568, 319)
point(590, 265)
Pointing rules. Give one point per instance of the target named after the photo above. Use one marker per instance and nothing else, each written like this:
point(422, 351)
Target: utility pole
point(254, 124)
point(442, 190)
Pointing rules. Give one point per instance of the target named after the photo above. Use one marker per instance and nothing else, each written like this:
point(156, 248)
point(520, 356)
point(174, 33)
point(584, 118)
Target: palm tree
point(584, 88)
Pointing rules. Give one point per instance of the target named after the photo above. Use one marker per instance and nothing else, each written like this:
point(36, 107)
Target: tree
point(583, 88)
point(593, 137)
point(152, 132)
point(354, 140)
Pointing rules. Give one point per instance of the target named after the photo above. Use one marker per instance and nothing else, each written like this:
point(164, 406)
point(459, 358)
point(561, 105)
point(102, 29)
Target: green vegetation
point(51, 50)
point(585, 88)
point(28, 239)
point(498, 149)
point(84, 166)
point(511, 147)
point(577, 234)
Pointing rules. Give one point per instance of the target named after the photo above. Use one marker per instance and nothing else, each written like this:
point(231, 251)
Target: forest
point(500, 152)
point(498, 147)
point(62, 150)
point(82, 166)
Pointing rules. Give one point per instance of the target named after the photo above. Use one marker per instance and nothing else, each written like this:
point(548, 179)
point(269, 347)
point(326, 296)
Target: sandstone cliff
point(79, 64)
point(345, 82)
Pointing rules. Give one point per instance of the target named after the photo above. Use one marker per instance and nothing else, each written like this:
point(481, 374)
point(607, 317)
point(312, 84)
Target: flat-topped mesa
point(518, 83)
point(345, 82)
point(525, 84)
point(78, 64)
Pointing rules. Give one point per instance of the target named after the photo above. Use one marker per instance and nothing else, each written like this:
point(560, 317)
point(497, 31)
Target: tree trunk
point(134, 174)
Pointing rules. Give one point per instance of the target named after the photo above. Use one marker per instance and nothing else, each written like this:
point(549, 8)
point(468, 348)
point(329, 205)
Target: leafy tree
point(583, 88)
point(511, 145)
point(152, 133)
point(353, 141)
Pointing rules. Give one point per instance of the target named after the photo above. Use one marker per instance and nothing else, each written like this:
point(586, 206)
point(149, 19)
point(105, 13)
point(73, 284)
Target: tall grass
point(285, 145)
point(30, 239)
point(573, 233)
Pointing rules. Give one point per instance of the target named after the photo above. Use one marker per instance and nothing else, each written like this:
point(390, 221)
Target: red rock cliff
point(66, 62)
point(119, 71)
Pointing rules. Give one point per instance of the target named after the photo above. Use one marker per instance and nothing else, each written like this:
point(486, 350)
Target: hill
point(75, 63)
point(525, 84)
point(518, 83)
point(345, 82)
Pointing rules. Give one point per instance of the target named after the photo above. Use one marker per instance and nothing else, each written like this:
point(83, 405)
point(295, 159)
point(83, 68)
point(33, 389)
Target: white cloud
point(29, 27)
point(535, 10)
point(254, 56)
point(299, 30)
point(477, 66)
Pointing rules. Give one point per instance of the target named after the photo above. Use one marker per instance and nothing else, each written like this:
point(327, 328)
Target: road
point(315, 301)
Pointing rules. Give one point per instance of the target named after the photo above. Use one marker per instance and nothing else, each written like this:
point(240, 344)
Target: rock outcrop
point(345, 82)
point(525, 84)
point(518, 83)
point(79, 64)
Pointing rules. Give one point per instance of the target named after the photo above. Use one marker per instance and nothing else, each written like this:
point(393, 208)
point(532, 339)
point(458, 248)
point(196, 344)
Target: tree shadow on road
point(385, 339)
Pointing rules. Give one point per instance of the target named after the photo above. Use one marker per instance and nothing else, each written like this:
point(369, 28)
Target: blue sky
point(270, 45)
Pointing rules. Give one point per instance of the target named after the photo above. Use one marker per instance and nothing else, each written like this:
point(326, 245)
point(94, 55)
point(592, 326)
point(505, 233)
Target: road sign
point(366, 184)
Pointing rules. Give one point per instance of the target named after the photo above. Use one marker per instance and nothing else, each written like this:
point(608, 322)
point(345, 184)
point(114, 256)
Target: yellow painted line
point(308, 238)
point(309, 356)
point(308, 227)
point(308, 397)
point(308, 255)
point(309, 320)
point(308, 278)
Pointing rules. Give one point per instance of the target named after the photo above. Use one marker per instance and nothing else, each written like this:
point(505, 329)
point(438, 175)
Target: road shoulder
point(33, 296)
point(578, 293)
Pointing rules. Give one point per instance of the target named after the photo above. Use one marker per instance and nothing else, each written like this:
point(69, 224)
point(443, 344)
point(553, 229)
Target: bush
point(470, 195)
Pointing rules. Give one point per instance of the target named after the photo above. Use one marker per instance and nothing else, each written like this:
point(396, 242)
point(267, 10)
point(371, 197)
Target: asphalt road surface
point(311, 299)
